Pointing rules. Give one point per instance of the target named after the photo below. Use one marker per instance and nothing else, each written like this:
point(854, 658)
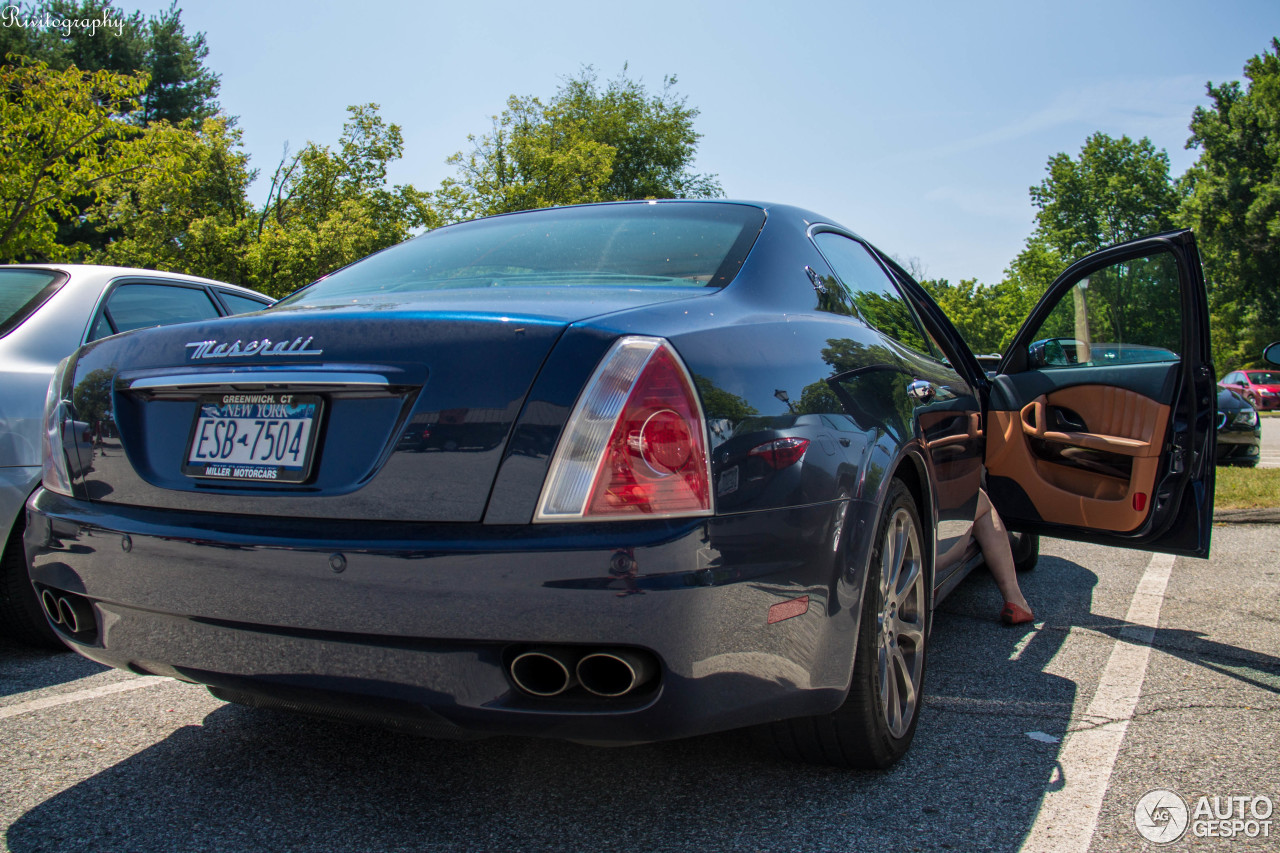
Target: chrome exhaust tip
point(71, 618)
point(615, 672)
point(544, 671)
point(49, 603)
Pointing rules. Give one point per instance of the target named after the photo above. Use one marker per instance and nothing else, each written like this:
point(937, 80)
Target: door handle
point(921, 390)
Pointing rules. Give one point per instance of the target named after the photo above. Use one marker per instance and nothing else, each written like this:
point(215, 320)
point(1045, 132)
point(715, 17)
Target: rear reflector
point(787, 609)
point(635, 445)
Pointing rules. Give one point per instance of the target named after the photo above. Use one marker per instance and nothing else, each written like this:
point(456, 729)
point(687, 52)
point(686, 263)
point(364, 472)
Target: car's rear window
point(685, 244)
point(22, 292)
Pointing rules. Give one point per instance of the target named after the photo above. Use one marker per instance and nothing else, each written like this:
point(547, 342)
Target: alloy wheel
point(900, 637)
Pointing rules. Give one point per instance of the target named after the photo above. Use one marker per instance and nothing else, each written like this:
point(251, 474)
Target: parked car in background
point(1239, 430)
point(611, 474)
point(46, 311)
point(1260, 388)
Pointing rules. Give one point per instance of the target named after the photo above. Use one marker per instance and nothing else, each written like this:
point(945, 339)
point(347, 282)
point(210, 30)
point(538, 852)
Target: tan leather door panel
point(1101, 476)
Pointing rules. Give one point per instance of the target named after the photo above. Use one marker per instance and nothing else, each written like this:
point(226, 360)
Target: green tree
point(327, 208)
point(976, 310)
point(186, 210)
point(179, 87)
point(589, 143)
point(1114, 190)
point(60, 140)
point(1233, 202)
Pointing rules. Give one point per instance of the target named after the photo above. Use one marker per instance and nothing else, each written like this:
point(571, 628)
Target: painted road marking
point(79, 696)
point(1069, 815)
point(1021, 646)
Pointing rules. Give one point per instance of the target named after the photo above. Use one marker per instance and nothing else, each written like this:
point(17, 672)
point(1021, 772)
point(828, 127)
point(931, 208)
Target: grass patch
point(1247, 488)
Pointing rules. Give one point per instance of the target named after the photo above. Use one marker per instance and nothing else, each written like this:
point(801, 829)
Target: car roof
point(771, 209)
point(106, 271)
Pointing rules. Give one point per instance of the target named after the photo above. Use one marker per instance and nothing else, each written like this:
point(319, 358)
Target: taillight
point(781, 452)
point(635, 445)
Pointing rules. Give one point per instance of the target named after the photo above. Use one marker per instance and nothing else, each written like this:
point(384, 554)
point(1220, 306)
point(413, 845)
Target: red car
point(1260, 387)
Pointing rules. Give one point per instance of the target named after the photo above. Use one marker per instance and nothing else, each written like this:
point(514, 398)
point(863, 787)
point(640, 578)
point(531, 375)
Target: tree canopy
point(1113, 190)
point(188, 209)
point(113, 148)
point(60, 140)
point(589, 143)
point(1233, 202)
point(179, 85)
point(328, 208)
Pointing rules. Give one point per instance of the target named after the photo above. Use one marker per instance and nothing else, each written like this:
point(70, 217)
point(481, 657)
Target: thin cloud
point(1157, 108)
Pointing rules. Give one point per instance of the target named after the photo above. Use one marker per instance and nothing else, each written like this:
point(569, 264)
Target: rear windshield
point(685, 245)
point(22, 292)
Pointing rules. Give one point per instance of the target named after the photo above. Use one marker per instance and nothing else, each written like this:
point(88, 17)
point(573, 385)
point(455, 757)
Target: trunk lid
point(411, 404)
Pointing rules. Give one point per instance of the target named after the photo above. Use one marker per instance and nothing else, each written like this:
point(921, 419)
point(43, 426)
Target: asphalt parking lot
point(1141, 673)
point(1270, 455)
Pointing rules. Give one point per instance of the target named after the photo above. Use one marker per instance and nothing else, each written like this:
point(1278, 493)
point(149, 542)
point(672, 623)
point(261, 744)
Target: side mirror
point(1272, 353)
point(1054, 352)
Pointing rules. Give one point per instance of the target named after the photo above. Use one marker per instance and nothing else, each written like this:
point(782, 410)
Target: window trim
point(890, 275)
point(102, 308)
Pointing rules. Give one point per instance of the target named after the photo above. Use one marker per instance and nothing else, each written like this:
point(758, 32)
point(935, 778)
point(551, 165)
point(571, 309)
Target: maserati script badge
point(264, 347)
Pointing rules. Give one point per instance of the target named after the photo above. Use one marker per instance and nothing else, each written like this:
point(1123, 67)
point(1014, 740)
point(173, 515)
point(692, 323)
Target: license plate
point(254, 437)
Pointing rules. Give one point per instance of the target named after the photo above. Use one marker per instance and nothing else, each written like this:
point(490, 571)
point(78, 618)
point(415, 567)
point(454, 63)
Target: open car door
point(1101, 417)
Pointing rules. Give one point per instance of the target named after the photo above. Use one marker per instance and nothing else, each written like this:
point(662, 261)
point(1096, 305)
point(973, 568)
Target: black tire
point(1026, 550)
point(875, 725)
point(21, 617)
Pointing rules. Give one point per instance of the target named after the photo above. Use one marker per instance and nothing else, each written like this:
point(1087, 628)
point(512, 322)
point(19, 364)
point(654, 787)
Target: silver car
point(46, 311)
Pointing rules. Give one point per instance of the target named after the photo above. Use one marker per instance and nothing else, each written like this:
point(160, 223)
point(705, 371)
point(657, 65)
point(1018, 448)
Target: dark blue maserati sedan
point(612, 474)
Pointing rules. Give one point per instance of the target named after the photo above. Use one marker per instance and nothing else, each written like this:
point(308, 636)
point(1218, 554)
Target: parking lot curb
point(1263, 515)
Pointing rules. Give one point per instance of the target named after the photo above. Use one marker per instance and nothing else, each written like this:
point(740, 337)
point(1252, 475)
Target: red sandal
point(1015, 615)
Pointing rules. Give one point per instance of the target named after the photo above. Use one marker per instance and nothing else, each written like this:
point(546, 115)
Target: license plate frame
point(259, 423)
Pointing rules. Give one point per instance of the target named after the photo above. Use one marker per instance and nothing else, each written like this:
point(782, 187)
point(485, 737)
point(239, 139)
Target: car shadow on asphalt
point(24, 668)
point(250, 780)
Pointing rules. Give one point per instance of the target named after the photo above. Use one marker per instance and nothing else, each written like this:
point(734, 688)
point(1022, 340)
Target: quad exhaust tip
point(614, 672)
point(544, 671)
point(609, 673)
point(68, 611)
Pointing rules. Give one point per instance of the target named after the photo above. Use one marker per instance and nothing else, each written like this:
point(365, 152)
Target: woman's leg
point(993, 538)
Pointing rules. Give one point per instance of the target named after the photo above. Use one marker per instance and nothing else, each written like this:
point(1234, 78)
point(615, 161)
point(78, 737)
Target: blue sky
point(919, 125)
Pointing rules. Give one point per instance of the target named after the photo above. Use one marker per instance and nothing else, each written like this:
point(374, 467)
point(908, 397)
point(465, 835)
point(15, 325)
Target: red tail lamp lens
point(781, 452)
point(665, 443)
point(656, 458)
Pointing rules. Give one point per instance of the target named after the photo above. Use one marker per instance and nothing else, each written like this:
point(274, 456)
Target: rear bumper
point(421, 620)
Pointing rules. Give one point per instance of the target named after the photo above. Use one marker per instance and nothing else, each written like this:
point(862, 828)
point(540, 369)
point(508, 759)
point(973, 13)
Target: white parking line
point(79, 696)
point(1021, 646)
point(1069, 815)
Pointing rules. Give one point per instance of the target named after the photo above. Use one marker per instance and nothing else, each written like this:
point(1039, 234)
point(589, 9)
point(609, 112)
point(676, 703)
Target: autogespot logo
point(1161, 816)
